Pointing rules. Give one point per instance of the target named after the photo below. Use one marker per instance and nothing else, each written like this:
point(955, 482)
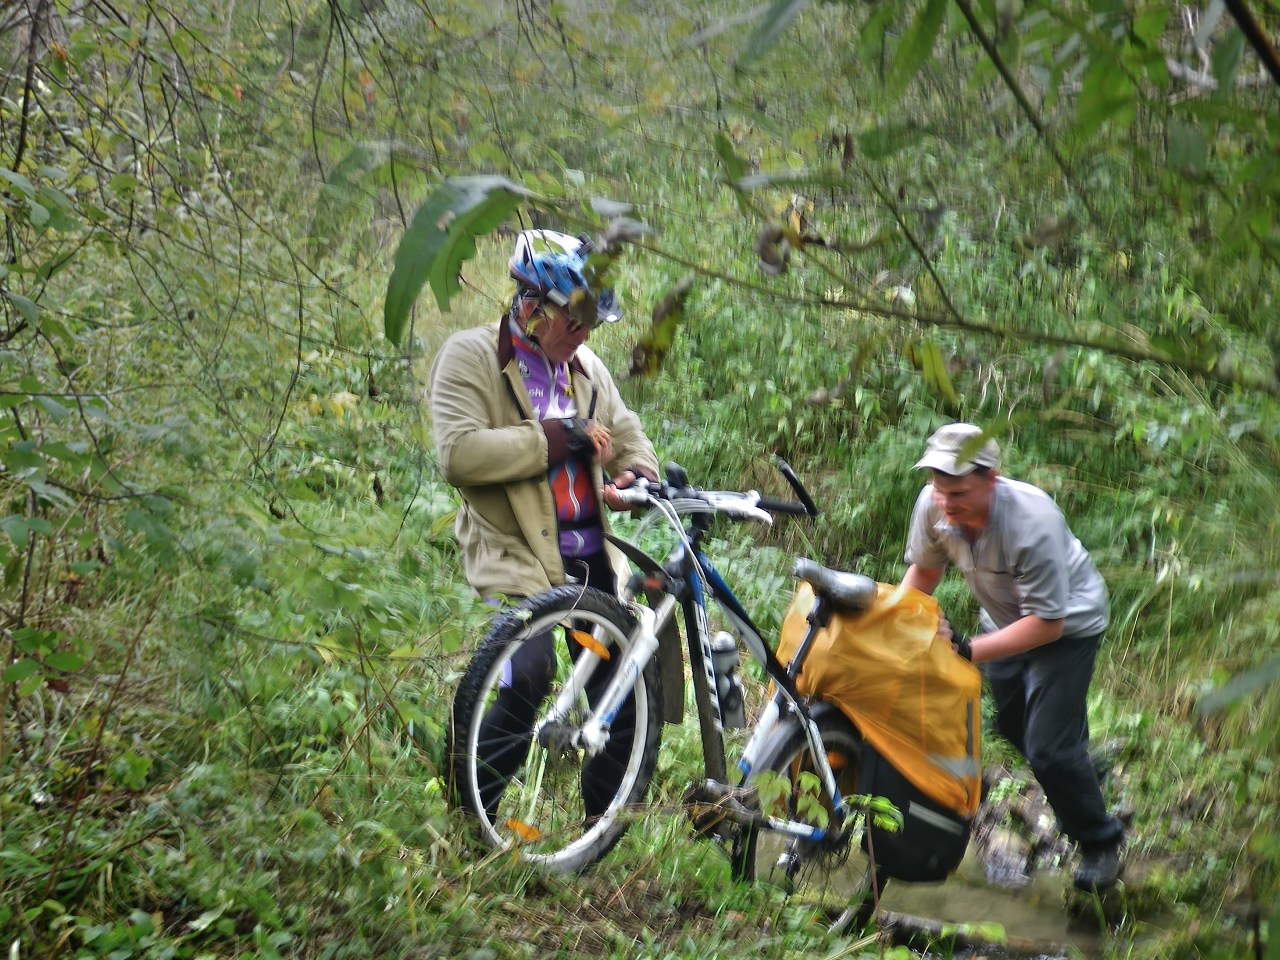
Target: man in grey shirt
point(1044, 608)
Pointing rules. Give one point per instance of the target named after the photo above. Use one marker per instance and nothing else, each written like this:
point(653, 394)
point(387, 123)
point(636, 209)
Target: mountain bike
point(560, 784)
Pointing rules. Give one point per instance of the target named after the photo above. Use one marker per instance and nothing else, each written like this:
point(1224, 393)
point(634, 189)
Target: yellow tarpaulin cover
point(909, 694)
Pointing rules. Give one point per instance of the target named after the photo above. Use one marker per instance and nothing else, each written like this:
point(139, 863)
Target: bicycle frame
point(685, 581)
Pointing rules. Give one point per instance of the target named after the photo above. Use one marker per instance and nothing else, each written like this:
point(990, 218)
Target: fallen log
point(916, 932)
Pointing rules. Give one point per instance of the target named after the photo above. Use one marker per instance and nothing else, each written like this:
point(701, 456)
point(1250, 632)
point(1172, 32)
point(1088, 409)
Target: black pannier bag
point(933, 839)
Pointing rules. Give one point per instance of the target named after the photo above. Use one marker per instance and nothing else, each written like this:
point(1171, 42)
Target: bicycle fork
point(593, 734)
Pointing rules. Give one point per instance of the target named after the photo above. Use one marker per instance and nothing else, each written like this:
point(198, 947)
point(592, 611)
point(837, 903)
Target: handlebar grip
point(783, 506)
point(810, 508)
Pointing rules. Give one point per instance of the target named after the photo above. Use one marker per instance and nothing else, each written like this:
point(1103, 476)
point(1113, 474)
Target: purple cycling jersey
point(550, 390)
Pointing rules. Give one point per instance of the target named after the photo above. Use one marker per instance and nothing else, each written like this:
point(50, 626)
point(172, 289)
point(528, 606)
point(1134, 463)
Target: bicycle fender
point(671, 670)
point(670, 657)
point(633, 553)
point(818, 710)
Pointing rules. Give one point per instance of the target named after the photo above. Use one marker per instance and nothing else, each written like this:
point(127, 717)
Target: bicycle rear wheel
point(557, 806)
point(828, 874)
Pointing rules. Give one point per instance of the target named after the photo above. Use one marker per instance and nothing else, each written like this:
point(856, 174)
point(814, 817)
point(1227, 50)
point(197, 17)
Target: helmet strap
point(523, 310)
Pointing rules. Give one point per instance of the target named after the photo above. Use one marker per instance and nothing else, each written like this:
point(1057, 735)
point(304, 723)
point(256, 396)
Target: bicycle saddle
point(846, 591)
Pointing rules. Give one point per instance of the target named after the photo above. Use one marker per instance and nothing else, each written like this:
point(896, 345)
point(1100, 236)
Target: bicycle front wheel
point(526, 781)
point(828, 874)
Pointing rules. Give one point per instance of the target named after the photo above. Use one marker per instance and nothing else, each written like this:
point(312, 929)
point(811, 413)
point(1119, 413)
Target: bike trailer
point(917, 705)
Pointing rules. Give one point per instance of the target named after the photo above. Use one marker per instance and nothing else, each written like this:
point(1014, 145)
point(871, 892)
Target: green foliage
point(916, 46)
point(232, 612)
point(776, 19)
point(441, 236)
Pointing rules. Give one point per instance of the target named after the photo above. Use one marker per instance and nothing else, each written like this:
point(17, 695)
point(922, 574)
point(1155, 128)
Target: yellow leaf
point(525, 831)
point(342, 402)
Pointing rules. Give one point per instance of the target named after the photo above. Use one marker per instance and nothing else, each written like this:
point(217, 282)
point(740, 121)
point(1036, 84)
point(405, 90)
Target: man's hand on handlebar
point(633, 498)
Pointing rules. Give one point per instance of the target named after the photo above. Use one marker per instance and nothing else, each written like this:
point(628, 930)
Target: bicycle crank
point(717, 809)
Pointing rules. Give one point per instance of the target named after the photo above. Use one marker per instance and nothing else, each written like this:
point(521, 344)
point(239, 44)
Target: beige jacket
point(489, 446)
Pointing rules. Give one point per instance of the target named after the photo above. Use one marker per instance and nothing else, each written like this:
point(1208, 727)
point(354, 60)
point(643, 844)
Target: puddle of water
point(1034, 916)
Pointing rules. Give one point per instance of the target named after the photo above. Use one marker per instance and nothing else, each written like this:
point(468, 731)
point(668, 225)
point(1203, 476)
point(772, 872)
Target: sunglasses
point(579, 313)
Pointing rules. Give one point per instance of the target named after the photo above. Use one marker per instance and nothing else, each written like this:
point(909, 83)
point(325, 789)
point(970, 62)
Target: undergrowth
point(233, 613)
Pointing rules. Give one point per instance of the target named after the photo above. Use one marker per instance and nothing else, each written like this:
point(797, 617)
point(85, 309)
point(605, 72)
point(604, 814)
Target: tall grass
point(272, 616)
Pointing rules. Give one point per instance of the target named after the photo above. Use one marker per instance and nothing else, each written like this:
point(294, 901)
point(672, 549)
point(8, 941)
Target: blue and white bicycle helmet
point(548, 265)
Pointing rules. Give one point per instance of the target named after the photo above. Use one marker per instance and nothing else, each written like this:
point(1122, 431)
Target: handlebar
point(806, 502)
point(737, 505)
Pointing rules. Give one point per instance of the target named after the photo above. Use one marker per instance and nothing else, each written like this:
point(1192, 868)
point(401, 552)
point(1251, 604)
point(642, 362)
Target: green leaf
point(888, 139)
point(42, 489)
point(442, 236)
point(76, 453)
point(57, 411)
point(917, 46)
point(130, 770)
point(1106, 94)
point(735, 168)
point(1149, 24)
point(59, 209)
point(935, 371)
point(1225, 63)
point(37, 215)
point(124, 185)
point(146, 523)
point(18, 182)
point(25, 306)
point(22, 462)
point(64, 660)
point(31, 640)
point(774, 23)
point(40, 525)
point(342, 189)
point(1187, 151)
point(21, 670)
point(1241, 686)
point(58, 67)
point(872, 39)
point(15, 528)
point(206, 919)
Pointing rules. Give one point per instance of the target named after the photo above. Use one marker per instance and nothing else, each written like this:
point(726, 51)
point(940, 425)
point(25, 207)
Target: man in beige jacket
point(527, 420)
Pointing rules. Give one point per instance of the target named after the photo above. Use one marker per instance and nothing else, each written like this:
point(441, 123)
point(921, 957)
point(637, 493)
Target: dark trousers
point(507, 727)
point(1041, 709)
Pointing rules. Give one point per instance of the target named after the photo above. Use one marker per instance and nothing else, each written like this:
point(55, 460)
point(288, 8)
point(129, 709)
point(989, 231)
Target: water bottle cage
point(729, 690)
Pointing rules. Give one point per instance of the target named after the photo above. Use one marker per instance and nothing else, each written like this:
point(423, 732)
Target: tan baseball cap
point(958, 449)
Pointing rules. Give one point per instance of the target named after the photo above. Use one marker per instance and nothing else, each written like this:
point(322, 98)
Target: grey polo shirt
point(1025, 562)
